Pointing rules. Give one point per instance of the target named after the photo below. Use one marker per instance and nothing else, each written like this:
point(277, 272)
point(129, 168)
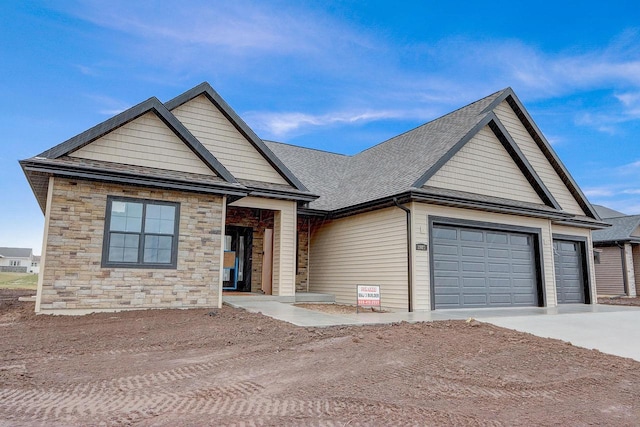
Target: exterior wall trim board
point(134, 180)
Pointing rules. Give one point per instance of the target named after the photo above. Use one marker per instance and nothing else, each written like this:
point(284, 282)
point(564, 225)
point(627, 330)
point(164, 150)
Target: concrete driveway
point(609, 329)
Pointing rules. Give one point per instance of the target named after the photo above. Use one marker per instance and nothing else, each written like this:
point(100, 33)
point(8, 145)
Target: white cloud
point(107, 105)
point(298, 47)
point(594, 192)
point(280, 125)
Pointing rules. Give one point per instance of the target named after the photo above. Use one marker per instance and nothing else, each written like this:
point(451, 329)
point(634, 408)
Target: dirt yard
point(635, 301)
point(230, 367)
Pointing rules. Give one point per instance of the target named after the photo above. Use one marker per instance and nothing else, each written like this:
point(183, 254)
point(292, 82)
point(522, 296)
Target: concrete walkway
point(607, 328)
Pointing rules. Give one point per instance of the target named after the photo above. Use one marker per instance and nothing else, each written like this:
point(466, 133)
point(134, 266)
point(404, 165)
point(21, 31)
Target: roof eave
point(280, 194)
point(577, 222)
point(488, 206)
point(133, 179)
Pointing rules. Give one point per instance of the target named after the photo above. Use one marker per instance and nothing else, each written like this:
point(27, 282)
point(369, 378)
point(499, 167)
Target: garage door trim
point(536, 233)
point(586, 271)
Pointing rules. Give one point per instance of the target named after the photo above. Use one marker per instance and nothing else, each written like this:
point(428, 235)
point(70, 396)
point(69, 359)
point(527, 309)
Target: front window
point(140, 233)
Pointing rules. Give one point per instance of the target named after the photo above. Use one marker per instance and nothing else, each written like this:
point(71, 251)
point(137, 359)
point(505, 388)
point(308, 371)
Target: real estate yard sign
point(368, 296)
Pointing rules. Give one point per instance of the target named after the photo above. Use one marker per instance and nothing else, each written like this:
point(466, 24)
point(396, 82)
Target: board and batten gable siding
point(421, 274)
point(483, 166)
point(609, 273)
point(145, 141)
point(537, 159)
point(284, 241)
point(364, 249)
point(205, 121)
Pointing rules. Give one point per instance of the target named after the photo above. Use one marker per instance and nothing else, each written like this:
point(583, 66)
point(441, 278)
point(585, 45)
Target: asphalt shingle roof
point(605, 212)
point(621, 229)
point(389, 168)
point(15, 252)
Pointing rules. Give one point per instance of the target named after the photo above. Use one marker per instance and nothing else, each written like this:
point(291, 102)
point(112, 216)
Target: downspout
point(409, 263)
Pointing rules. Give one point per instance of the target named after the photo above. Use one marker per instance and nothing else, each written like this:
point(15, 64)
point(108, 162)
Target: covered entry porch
point(259, 247)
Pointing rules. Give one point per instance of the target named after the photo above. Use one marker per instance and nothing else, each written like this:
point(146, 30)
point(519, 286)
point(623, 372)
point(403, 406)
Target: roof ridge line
point(434, 120)
point(307, 148)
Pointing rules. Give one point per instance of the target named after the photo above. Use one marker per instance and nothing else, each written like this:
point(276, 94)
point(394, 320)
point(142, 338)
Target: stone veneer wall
point(259, 220)
point(73, 277)
point(303, 255)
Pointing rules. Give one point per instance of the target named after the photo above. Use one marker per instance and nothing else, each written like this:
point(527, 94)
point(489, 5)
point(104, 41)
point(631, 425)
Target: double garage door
point(475, 267)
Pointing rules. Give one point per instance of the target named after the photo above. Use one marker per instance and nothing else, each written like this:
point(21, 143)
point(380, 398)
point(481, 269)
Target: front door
point(237, 266)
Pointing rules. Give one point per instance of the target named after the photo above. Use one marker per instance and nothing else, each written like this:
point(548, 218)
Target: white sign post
point(368, 296)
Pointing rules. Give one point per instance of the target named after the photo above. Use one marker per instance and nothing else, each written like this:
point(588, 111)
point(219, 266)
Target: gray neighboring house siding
point(617, 251)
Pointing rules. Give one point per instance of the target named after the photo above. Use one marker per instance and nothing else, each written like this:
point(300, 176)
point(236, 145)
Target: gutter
point(409, 263)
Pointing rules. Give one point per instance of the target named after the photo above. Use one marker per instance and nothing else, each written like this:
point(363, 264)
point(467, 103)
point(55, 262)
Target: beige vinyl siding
point(483, 166)
point(205, 121)
point(609, 273)
point(421, 214)
point(364, 249)
point(584, 233)
point(284, 241)
point(537, 159)
point(145, 141)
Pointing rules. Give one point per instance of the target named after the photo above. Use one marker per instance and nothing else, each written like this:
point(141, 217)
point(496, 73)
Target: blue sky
point(335, 75)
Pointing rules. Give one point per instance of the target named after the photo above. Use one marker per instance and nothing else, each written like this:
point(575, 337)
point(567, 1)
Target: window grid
point(140, 233)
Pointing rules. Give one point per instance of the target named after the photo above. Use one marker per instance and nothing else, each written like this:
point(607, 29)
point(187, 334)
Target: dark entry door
point(238, 243)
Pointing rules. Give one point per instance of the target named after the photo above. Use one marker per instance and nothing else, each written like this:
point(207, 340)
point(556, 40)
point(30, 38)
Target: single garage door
point(567, 256)
point(474, 267)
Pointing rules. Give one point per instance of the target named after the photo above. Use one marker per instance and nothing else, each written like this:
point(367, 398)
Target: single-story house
point(16, 260)
point(617, 253)
point(168, 204)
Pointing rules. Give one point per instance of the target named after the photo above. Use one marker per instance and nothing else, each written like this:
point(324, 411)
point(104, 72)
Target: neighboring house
point(617, 253)
point(167, 204)
point(15, 260)
point(35, 265)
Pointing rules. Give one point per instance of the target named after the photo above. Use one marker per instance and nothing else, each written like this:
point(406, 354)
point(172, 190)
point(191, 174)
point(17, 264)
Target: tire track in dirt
point(238, 400)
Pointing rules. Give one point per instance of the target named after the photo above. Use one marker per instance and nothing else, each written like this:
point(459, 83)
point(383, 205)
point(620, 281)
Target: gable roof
point(57, 160)
point(213, 96)
point(544, 145)
point(16, 252)
point(397, 168)
point(150, 105)
point(605, 212)
point(404, 164)
point(621, 230)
